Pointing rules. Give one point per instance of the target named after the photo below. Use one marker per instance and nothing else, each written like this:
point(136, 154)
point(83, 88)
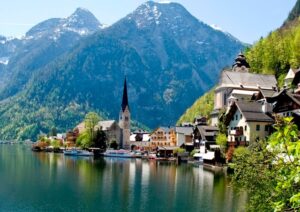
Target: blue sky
point(246, 20)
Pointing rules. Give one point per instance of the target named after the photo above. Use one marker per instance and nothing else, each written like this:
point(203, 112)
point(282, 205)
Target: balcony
point(237, 132)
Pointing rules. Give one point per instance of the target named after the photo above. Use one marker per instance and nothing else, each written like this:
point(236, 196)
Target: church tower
point(124, 120)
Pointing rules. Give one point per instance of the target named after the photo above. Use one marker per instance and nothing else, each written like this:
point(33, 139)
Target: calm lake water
point(53, 182)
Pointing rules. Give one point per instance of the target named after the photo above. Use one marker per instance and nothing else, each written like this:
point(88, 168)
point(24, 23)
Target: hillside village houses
point(249, 102)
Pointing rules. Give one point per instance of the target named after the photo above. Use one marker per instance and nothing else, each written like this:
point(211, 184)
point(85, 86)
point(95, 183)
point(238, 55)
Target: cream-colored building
point(247, 122)
point(239, 84)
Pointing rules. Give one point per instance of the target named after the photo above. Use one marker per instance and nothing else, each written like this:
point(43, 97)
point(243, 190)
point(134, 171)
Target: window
point(257, 127)
point(241, 116)
point(236, 117)
point(245, 127)
point(267, 128)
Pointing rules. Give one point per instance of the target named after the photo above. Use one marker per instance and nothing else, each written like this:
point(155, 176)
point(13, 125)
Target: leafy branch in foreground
point(270, 170)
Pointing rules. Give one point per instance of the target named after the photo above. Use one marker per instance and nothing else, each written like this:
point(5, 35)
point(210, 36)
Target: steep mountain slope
point(168, 56)
point(42, 44)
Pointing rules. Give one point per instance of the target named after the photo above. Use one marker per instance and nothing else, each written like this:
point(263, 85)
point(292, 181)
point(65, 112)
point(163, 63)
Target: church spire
point(125, 97)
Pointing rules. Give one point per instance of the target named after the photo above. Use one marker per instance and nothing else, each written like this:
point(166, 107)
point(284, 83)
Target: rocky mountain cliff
point(41, 45)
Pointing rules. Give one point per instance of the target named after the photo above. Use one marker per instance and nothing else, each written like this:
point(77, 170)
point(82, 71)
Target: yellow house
point(163, 136)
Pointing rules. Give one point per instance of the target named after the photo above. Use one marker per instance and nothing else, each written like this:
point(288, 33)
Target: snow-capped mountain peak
point(81, 22)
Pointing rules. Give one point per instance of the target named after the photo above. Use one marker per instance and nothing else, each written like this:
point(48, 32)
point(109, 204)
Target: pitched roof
point(252, 111)
point(293, 97)
point(207, 130)
point(268, 93)
point(125, 97)
point(247, 80)
point(184, 130)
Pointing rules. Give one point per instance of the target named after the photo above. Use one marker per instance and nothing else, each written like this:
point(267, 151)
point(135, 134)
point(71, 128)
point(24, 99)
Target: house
point(71, 137)
point(184, 135)
point(163, 136)
point(286, 103)
point(111, 129)
point(247, 121)
point(239, 84)
point(205, 134)
point(140, 139)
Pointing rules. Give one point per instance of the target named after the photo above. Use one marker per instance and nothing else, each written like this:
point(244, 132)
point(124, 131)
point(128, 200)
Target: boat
point(76, 152)
point(121, 153)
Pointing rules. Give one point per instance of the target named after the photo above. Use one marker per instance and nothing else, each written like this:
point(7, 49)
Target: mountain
point(42, 44)
point(274, 54)
point(168, 56)
point(294, 14)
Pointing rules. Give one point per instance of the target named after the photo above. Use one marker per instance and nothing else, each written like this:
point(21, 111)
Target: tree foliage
point(270, 170)
point(276, 53)
point(221, 140)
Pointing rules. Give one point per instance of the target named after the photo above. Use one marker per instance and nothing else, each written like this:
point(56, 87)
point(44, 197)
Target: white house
point(247, 121)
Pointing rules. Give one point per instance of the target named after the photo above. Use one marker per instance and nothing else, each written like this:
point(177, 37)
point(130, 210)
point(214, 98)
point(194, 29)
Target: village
point(245, 107)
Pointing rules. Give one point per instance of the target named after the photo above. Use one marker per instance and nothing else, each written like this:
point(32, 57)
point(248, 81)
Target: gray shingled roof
point(230, 78)
point(207, 130)
point(268, 93)
point(252, 111)
point(184, 130)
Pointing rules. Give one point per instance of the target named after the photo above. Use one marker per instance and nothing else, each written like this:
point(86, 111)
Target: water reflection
point(49, 181)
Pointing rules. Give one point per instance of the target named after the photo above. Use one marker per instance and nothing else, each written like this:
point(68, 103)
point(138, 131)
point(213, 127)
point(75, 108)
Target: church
point(119, 131)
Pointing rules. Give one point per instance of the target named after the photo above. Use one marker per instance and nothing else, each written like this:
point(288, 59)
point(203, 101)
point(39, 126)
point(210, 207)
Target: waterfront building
point(184, 136)
point(203, 134)
point(163, 136)
point(71, 137)
point(140, 139)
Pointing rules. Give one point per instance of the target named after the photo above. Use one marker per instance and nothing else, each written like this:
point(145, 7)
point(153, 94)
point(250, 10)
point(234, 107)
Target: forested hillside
point(202, 107)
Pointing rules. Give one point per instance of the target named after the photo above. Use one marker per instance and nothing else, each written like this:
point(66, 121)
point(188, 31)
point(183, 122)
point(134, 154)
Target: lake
point(53, 182)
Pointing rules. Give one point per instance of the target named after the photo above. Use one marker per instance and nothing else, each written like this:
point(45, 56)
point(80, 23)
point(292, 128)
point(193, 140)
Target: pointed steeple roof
point(125, 97)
